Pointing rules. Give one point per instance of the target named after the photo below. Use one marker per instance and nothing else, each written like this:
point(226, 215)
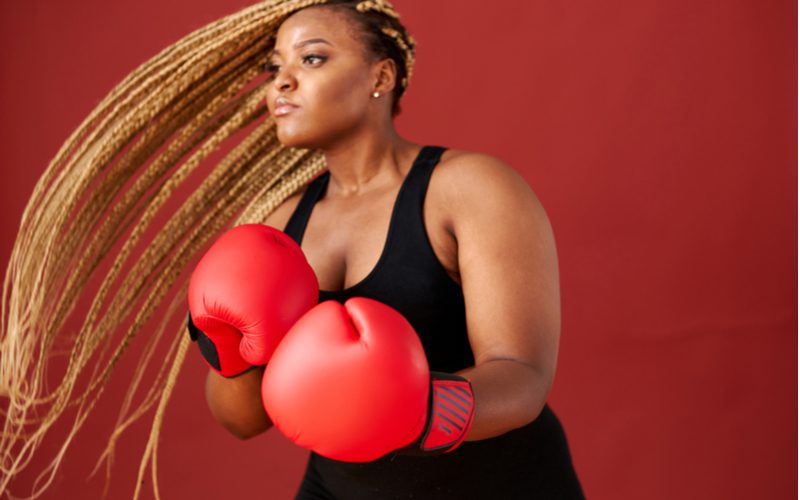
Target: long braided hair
point(100, 195)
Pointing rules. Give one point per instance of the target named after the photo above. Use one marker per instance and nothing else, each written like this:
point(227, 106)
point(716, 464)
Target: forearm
point(508, 395)
point(236, 402)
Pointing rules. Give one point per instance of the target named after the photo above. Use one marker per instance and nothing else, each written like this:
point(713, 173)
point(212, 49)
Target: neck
point(364, 162)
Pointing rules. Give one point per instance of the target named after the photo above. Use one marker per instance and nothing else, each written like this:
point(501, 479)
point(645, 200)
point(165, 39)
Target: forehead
point(317, 22)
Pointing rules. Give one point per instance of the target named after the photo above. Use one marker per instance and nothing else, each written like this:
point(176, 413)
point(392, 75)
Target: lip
point(283, 106)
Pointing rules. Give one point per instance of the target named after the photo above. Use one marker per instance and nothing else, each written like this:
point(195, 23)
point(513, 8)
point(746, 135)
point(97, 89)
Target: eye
point(314, 56)
point(271, 69)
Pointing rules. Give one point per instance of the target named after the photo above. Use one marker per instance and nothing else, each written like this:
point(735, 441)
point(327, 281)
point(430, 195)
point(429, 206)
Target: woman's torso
point(412, 265)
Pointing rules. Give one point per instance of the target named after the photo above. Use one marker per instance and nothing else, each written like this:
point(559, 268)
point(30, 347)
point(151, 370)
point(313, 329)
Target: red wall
point(661, 138)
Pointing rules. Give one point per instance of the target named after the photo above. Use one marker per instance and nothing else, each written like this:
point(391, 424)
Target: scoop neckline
point(389, 233)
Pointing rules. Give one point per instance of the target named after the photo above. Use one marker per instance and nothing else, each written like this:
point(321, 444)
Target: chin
point(309, 133)
point(289, 143)
point(291, 140)
point(303, 140)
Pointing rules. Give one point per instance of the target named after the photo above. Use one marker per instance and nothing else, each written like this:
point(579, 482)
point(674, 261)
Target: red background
point(661, 139)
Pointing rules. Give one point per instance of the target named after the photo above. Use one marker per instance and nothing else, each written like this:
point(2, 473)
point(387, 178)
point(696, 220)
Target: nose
point(284, 80)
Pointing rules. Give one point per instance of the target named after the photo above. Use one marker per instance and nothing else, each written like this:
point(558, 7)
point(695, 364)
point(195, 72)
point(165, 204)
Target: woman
point(480, 249)
point(473, 268)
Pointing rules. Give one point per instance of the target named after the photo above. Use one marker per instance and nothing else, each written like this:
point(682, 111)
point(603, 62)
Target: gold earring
point(375, 94)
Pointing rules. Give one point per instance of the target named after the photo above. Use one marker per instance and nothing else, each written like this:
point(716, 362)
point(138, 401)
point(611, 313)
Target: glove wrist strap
point(451, 409)
point(224, 359)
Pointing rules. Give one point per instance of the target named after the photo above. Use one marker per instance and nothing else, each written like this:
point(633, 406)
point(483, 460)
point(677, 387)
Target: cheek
point(332, 108)
point(342, 98)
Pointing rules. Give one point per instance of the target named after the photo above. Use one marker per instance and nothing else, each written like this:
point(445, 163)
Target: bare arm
point(236, 402)
point(509, 270)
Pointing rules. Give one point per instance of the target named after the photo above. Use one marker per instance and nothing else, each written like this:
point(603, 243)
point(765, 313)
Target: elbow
point(242, 435)
point(538, 390)
point(533, 412)
point(244, 432)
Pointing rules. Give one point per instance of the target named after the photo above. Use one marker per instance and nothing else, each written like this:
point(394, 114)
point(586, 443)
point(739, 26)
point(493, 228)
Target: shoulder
point(507, 261)
point(471, 182)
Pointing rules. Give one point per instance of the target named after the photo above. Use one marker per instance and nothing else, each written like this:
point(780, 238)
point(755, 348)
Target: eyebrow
point(306, 42)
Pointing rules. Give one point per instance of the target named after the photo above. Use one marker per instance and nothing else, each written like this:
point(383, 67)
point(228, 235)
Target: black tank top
point(530, 462)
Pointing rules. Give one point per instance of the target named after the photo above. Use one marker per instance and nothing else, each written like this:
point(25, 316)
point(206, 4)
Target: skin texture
point(485, 224)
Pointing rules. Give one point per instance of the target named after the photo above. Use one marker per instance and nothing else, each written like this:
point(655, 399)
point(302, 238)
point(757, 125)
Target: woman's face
point(321, 71)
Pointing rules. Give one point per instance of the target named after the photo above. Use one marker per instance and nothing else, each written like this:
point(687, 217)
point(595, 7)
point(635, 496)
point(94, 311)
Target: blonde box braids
point(406, 43)
point(98, 199)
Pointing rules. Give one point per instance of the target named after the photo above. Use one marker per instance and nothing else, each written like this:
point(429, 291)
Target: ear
point(384, 75)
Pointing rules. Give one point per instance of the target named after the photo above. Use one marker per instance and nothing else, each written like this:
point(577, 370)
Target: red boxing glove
point(244, 295)
point(351, 382)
